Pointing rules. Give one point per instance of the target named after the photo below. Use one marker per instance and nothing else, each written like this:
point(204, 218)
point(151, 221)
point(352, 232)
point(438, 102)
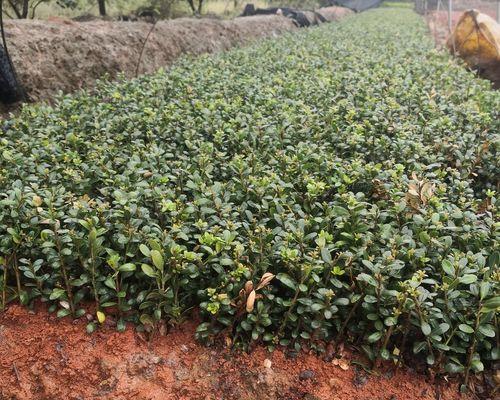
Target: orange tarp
point(476, 39)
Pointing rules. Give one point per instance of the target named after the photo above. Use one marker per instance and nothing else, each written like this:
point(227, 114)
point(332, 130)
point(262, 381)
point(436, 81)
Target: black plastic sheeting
point(10, 91)
point(297, 16)
point(355, 5)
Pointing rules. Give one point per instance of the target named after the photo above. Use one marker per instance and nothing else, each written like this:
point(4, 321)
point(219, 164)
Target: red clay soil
point(42, 357)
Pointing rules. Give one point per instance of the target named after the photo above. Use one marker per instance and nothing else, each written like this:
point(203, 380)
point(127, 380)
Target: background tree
point(195, 6)
point(22, 9)
point(102, 7)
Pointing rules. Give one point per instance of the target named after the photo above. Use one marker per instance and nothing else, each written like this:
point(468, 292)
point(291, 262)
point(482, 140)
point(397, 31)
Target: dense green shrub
point(352, 161)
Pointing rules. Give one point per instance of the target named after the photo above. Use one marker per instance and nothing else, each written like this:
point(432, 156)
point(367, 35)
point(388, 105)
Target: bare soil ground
point(334, 13)
point(42, 357)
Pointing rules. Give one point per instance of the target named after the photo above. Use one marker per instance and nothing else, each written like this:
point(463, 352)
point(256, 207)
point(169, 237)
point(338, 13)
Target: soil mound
point(65, 55)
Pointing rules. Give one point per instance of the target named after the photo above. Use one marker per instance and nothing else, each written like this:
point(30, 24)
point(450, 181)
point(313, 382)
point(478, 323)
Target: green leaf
point(448, 267)
point(418, 347)
point(129, 267)
point(57, 293)
point(148, 270)
point(367, 278)
point(426, 328)
point(484, 289)
point(325, 255)
point(90, 327)
point(110, 282)
point(340, 211)
point(287, 280)
point(374, 337)
point(477, 366)
point(468, 279)
point(120, 325)
point(492, 304)
point(157, 259)
point(487, 330)
point(145, 250)
point(465, 328)
point(63, 313)
point(453, 368)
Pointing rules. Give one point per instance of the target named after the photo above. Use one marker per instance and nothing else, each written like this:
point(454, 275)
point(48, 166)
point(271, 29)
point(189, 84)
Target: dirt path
point(42, 357)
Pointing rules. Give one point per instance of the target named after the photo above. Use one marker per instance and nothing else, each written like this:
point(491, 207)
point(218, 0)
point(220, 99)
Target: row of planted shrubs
point(336, 184)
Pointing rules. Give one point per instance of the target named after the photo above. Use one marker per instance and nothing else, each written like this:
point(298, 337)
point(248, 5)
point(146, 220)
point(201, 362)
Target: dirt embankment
point(65, 55)
point(42, 357)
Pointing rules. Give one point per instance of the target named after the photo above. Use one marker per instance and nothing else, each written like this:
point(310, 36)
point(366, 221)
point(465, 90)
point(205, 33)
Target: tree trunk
point(191, 5)
point(26, 9)
point(102, 7)
point(14, 8)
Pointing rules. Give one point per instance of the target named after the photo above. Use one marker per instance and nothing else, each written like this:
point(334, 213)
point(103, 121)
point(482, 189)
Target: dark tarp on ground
point(355, 5)
point(10, 92)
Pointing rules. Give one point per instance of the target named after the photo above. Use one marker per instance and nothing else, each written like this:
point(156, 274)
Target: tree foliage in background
point(22, 9)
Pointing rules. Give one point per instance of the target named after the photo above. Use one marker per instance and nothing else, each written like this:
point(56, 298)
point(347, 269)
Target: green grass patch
point(398, 4)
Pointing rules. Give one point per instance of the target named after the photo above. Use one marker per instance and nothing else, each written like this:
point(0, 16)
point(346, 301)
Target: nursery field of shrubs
point(335, 184)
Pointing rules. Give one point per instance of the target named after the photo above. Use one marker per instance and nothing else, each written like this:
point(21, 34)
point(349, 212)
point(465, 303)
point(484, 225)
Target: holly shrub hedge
point(339, 183)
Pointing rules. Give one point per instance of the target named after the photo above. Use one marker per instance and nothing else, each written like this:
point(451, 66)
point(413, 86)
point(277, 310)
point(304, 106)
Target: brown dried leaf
point(496, 377)
point(64, 304)
point(344, 364)
point(265, 280)
point(37, 201)
point(427, 191)
point(250, 301)
point(248, 287)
